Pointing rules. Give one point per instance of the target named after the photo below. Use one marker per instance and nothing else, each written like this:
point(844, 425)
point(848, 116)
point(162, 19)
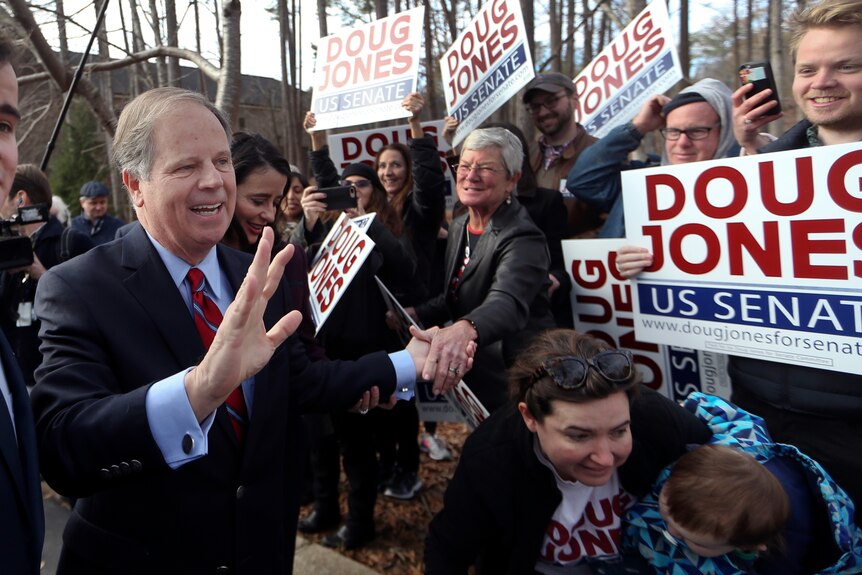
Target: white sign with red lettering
point(487, 65)
point(364, 146)
point(344, 250)
point(602, 304)
point(363, 74)
point(759, 256)
point(640, 63)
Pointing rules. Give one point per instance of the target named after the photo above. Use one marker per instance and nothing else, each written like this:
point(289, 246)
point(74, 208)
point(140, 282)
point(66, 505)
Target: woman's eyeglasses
point(570, 372)
point(698, 133)
point(357, 183)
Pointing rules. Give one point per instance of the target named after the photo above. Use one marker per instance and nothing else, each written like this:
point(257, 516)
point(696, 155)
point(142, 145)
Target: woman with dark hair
point(543, 484)
point(261, 178)
point(291, 205)
point(356, 326)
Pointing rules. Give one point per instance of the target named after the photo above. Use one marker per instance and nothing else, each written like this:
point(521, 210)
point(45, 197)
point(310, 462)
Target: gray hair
point(133, 148)
point(509, 145)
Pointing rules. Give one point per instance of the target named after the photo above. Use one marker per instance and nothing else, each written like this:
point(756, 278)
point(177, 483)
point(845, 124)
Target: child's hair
point(727, 494)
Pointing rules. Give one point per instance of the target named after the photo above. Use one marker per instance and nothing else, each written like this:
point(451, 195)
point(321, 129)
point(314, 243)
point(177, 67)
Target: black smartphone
point(340, 197)
point(760, 74)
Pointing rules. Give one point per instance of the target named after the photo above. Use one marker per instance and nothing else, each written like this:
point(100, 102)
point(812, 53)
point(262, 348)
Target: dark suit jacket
point(504, 290)
point(22, 522)
point(112, 324)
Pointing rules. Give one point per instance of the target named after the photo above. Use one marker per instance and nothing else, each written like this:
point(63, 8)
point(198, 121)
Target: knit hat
point(680, 100)
point(551, 83)
point(93, 190)
point(365, 171)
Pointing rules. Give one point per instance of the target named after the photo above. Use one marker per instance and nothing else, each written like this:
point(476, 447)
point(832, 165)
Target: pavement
point(310, 559)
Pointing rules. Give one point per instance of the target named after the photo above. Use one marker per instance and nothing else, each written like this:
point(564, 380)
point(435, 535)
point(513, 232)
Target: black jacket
point(796, 387)
point(503, 290)
point(16, 288)
point(501, 498)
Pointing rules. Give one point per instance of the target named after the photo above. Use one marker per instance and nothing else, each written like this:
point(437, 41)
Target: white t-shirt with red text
point(587, 523)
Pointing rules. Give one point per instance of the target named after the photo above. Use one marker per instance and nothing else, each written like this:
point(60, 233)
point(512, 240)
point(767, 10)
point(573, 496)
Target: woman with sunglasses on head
point(542, 484)
point(355, 327)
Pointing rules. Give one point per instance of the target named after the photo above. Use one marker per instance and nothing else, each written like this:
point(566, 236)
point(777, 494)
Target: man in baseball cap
point(94, 219)
point(551, 100)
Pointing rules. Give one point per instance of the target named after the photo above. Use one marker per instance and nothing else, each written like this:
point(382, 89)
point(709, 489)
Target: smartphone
point(760, 74)
point(340, 197)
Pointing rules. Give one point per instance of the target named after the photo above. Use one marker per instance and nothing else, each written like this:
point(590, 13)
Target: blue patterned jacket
point(739, 429)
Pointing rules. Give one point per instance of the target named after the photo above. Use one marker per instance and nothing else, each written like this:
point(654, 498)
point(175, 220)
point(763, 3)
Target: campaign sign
point(640, 63)
point(602, 305)
point(487, 65)
point(759, 256)
point(344, 250)
point(364, 146)
point(459, 404)
point(362, 74)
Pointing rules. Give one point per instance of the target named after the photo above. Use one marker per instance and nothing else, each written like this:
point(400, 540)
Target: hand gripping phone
point(339, 197)
point(760, 74)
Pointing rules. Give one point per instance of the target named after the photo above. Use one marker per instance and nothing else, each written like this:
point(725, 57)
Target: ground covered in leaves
point(402, 525)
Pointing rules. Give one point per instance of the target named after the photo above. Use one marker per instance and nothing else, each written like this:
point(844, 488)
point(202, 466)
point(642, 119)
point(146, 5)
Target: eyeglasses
point(697, 133)
point(481, 169)
point(536, 107)
point(357, 183)
point(570, 372)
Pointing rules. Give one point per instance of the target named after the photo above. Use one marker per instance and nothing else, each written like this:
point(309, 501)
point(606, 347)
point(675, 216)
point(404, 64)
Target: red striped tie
point(207, 319)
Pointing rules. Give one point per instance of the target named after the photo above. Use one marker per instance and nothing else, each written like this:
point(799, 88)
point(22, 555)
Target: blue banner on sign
point(492, 82)
point(640, 84)
point(363, 97)
point(825, 313)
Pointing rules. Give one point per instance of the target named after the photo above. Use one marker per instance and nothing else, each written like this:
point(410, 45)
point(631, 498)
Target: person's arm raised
point(242, 345)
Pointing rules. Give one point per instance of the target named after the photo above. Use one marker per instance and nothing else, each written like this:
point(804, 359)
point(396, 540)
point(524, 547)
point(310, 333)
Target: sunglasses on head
point(357, 183)
point(570, 372)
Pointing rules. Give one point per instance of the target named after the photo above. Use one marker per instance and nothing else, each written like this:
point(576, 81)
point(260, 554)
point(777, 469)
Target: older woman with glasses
point(543, 484)
point(496, 272)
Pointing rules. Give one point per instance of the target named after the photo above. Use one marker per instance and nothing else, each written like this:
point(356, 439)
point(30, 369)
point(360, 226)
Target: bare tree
point(171, 28)
point(161, 70)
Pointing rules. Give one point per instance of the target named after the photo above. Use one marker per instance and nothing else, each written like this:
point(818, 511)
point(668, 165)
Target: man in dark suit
point(130, 405)
point(22, 523)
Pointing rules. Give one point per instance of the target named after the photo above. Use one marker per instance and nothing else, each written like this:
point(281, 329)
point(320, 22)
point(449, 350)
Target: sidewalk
point(311, 559)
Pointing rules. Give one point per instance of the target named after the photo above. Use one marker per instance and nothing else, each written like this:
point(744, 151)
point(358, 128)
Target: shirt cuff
point(173, 423)
point(405, 374)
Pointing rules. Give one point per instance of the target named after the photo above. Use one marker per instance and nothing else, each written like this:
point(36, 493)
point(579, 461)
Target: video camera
point(16, 251)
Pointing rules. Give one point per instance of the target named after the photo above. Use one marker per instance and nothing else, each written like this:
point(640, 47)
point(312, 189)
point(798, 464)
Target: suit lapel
point(22, 461)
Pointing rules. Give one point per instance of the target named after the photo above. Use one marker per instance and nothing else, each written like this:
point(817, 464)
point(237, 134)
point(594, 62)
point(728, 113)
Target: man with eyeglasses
point(551, 100)
point(692, 125)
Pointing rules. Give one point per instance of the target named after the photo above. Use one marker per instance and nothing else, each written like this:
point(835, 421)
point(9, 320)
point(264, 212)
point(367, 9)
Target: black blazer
point(22, 522)
point(503, 290)
point(112, 324)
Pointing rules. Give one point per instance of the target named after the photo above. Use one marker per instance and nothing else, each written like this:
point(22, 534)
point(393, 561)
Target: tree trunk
point(321, 18)
point(230, 79)
point(171, 32)
point(430, 67)
point(556, 34)
point(684, 49)
point(61, 32)
point(527, 8)
point(776, 52)
point(161, 72)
